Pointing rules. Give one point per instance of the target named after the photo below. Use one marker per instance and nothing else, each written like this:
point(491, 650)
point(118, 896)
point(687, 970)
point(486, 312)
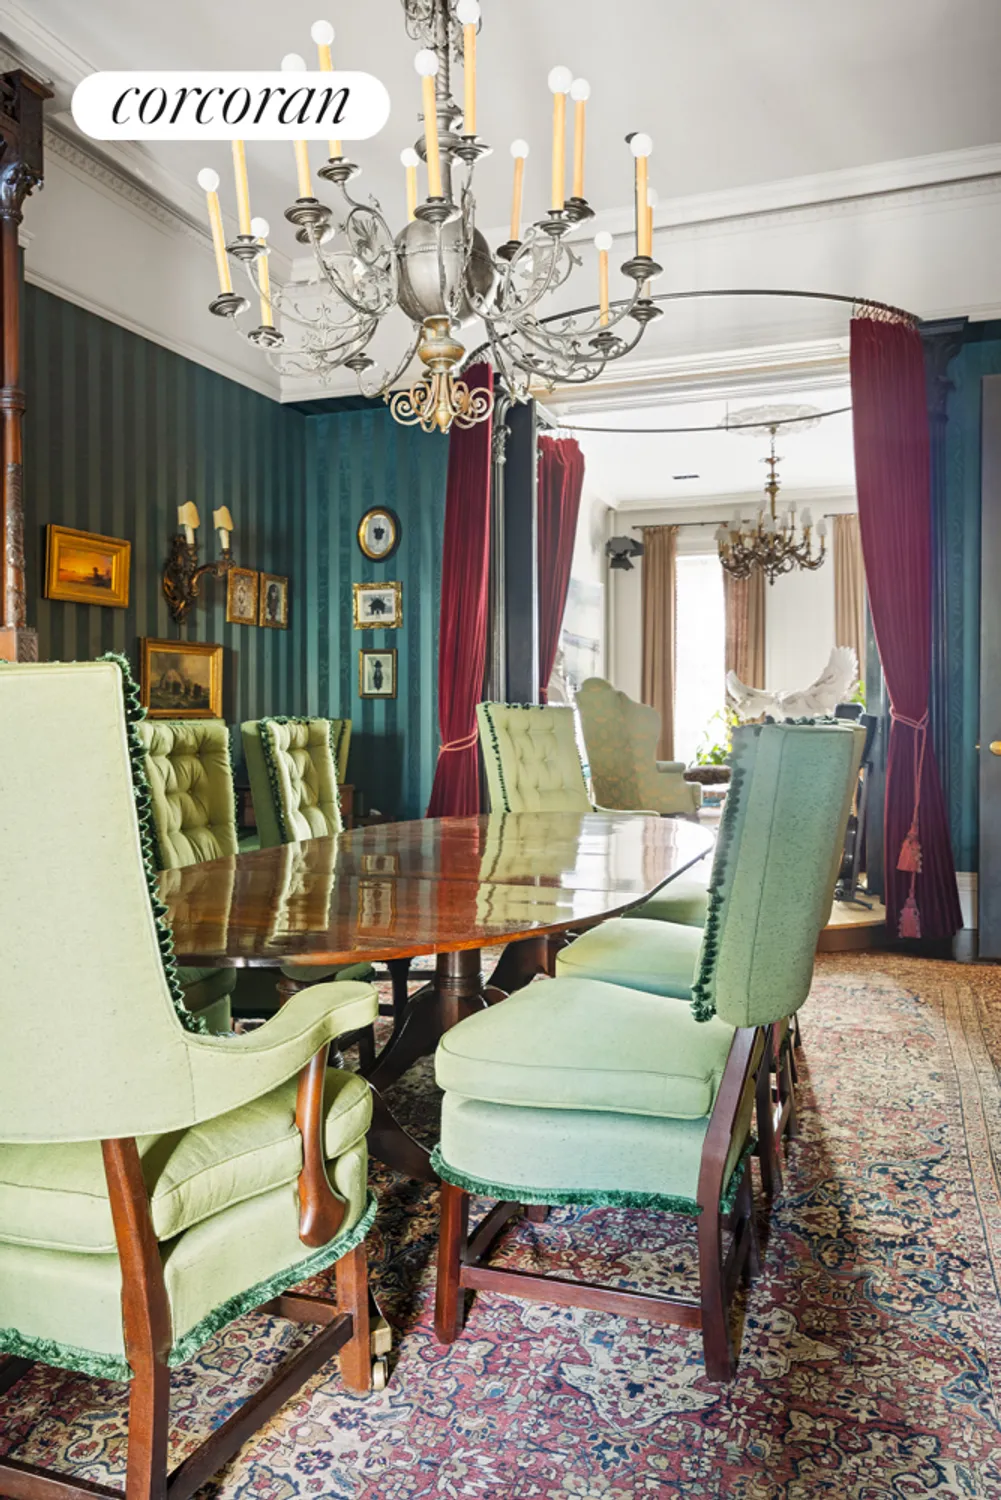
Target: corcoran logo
point(225, 106)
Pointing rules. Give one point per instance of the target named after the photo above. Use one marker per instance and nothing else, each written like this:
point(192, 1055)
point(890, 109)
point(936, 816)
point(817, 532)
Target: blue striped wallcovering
point(119, 432)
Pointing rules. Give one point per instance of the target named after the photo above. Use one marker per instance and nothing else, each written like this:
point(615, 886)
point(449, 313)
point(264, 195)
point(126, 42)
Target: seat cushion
point(55, 1197)
point(684, 900)
point(573, 1044)
point(659, 957)
point(310, 974)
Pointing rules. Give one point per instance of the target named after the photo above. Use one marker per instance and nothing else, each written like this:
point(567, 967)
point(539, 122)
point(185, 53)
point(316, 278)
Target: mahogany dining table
point(450, 887)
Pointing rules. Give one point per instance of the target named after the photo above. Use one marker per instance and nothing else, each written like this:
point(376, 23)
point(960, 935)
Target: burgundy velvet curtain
point(894, 502)
point(462, 636)
point(561, 479)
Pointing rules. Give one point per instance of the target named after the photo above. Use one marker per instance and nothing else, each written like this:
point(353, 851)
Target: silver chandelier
point(438, 269)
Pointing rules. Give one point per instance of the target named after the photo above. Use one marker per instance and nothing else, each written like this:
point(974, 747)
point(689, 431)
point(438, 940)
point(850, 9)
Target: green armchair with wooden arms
point(155, 1182)
point(582, 1091)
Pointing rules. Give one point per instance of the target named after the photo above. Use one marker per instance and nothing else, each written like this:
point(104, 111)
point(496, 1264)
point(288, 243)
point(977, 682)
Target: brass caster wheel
point(381, 1337)
point(380, 1373)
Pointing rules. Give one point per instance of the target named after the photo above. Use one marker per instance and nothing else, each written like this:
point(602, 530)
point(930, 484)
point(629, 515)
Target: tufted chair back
point(773, 873)
point(531, 758)
point(621, 736)
point(190, 777)
point(293, 778)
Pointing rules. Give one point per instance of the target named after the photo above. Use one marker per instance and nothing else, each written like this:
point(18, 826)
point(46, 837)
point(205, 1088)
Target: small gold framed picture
point(273, 601)
point(378, 606)
point(85, 568)
point(376, 674)
point(241, 596)
point(379, 533)
point(181, 679)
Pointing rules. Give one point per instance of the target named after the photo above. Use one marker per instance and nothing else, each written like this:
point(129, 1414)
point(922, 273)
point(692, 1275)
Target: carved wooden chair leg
point(352, 1297)
point(453, 1236)
point(748, 1223)
point(536, 1213)
point(787, 1092)
point(366, 1049)
point(399, 971)
point(768, 1147)
point(715, 1326)
point(149, 1417)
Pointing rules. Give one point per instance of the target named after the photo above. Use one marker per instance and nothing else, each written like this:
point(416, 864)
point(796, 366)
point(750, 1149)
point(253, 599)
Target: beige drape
point(744, 601)
point(660, 544)
point(849, 588)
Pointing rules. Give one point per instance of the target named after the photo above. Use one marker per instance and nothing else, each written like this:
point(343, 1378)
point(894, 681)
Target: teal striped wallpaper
point(119, 432)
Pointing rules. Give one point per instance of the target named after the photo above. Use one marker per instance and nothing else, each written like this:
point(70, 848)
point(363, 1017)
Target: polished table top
point(434, 886)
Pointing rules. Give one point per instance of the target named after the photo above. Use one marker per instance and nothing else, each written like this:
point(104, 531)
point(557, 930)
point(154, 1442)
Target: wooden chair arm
point(321, 1212)
point(747, 1052)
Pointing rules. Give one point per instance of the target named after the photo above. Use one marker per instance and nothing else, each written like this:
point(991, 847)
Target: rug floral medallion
point(870, 1361)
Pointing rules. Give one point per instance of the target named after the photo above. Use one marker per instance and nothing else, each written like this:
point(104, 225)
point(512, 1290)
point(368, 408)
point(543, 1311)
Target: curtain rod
point(827, 515)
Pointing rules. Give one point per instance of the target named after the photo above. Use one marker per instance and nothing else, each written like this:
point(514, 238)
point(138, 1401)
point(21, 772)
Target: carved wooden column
point(21, 99)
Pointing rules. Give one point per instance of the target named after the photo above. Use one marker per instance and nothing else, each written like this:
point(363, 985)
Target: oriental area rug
point(870, 1365)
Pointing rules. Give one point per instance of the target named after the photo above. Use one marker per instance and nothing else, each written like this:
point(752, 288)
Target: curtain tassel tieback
point(909, 861)
point(466, 743)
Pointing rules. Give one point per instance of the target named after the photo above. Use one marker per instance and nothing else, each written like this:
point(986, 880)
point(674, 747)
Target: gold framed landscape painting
point(181, 679)
point(82, 567)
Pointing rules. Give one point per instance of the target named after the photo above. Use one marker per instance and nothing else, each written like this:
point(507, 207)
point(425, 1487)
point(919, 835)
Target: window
point(700, 653)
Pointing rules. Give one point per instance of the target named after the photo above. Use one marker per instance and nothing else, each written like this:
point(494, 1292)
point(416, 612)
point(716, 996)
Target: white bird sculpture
point(835, 685)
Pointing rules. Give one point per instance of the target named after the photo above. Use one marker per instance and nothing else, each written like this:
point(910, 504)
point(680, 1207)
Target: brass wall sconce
point(182, 574)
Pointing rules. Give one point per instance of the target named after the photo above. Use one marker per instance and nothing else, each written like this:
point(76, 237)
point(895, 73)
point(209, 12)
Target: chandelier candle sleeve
point(427, 66)
point(323, 35)
point(261, 228)
point(293, 63)
point(468, 12)
point(560, 83)
point(603, 243)
point(580, 93)
point(242, 186)
point(519, 150)
point(411, 161)
point(208, 181)
point(641, 146)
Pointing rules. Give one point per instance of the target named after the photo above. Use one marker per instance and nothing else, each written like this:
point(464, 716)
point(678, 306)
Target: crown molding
point(194, 352)
point(694, 509)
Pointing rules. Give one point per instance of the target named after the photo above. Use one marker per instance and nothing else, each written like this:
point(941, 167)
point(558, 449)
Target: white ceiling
point(629, 471)
point(734, 94)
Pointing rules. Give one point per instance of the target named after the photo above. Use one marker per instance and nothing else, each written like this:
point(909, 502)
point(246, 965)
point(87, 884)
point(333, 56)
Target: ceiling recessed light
point(685, 476)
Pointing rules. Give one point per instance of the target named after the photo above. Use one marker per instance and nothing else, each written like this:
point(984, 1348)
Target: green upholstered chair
point(292, 765)
point(155, 1182)
point(533, 764)
point(190, 776)
point(621, 737)
point(578, 1091)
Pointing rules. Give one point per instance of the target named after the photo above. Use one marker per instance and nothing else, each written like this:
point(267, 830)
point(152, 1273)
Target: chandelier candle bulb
point(208, 181)
point(641, 147)
point(242, 186)
point(468, 12)
point(603, 243)
point(579, 93)
point(560, 83)
point(427, 66)
point(261, 228)
point(411, 161)
point(323, 35)
point(187, 519)
point(519, 150)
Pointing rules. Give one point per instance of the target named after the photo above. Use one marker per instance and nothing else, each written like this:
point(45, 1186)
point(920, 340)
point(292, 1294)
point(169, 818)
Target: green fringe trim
point(111, 1367)
point(671, 1203)
point(134, 714)
point(703, 998)
point(495, 747)
point(244, 1302)
point(270, 761)
point(63, 1356)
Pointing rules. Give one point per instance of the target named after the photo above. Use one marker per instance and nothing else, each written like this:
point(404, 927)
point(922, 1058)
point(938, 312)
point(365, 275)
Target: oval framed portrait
point(379, 533)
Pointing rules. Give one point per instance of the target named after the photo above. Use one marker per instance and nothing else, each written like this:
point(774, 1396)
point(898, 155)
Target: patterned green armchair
point(155, 1182)
point(190, 776)
point(580, 1090)
point(292, 766)
point(621, 738)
